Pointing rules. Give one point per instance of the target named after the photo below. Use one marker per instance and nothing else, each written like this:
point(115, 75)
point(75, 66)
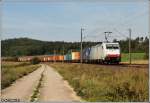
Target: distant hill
point(28, 47)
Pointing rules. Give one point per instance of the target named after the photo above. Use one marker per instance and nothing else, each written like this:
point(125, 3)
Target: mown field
point(11, 71)
point(135, 57)
point(99, 83)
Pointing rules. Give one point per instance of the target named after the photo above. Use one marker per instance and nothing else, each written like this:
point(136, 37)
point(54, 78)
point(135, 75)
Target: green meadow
point(134, 56)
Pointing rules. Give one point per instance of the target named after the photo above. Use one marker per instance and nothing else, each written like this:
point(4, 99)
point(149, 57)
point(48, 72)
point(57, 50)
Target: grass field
point(135, 56)
point(99, 83)
point(14, 70)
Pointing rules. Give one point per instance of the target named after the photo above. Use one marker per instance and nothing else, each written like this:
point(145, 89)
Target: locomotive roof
point(105, 43)
point(110, 43)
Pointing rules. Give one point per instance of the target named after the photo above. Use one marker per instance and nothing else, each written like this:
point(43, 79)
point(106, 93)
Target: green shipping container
point(68, 56)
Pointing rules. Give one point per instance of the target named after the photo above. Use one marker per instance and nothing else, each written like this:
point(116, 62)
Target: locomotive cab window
point(110, 46)
point(115, 47)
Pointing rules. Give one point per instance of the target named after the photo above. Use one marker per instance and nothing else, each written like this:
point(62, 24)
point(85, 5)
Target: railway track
point(123, 65)
point(130, 65)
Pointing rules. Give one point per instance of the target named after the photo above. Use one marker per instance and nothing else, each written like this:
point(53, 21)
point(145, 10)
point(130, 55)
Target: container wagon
point(101, 53)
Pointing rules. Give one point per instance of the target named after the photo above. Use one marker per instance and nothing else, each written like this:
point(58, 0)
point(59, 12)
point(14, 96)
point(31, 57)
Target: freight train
point(101, 53)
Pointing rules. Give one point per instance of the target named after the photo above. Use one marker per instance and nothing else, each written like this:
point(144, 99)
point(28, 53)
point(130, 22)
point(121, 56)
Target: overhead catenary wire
point(131, 20)
point(128, 22)
point(120, 33)
point(93, 36)
point(121, 24)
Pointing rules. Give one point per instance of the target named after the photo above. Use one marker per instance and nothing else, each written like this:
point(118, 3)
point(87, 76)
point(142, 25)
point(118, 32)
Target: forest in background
point(29, 47)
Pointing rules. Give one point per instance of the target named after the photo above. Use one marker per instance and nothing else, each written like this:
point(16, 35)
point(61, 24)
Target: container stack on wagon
point(27, 58)
point(72, 57)
point(43, 58)
point(75, 56)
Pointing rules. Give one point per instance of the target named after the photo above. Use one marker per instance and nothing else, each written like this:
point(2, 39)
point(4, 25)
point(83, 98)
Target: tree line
point(29, 47)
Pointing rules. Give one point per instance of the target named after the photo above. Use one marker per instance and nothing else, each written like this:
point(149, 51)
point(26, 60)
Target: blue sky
point(61, 21)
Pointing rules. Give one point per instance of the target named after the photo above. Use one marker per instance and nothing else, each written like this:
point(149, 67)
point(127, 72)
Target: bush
point(15, 59)
point(35, 61)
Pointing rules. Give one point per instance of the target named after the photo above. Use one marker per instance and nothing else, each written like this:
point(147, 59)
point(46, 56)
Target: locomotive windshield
point(112, 46)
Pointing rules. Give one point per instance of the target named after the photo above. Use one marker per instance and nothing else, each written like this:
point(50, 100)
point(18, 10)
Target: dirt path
point(23, 88)
point(54, 88)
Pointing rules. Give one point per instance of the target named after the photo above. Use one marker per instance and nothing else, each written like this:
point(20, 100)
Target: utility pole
point(130, 46)
point(54, 55)
point(63, 54)
point(81, 47)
